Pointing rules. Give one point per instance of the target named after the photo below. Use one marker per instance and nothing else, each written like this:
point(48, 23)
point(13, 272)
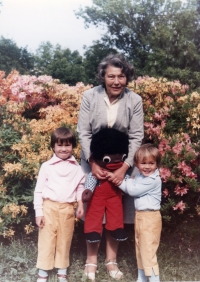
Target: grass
point(178, 256)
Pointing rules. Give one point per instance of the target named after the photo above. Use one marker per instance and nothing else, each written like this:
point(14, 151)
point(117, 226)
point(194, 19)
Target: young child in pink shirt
point(59, 185)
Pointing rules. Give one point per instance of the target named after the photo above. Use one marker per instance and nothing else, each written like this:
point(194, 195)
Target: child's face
point(147, 166)
point(63, 150)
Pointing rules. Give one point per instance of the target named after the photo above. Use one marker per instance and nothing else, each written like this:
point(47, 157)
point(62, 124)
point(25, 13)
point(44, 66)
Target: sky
point(30, 22)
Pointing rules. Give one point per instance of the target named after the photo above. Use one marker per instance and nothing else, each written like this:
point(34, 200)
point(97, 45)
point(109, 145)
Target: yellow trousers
point(148, 225)
point(55, 237)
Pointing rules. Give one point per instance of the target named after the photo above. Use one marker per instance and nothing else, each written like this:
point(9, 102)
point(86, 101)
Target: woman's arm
point(135, 129)
point(83, 128)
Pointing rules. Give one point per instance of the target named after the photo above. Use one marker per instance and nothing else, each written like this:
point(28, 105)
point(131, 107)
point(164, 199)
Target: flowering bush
point(32, 107)
point(172, 122)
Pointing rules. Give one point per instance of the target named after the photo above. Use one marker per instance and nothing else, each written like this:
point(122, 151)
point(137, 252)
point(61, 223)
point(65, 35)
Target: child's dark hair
point(63, 134)
point(147, 151)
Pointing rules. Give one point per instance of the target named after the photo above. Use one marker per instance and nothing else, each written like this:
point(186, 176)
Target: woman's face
point(115, 82)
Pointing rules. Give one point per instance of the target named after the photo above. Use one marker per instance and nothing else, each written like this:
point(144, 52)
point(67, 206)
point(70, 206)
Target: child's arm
point(139, 187)
point(119, 174)
point(90, 185)
point(38, 200)
point(40, 222)
point(80, 209)
point(110, 177)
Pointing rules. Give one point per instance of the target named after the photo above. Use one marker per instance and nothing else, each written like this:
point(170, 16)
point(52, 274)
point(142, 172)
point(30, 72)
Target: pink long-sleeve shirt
point(59, 181)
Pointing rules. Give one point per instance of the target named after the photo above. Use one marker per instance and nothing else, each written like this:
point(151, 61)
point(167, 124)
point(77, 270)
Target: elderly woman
point(111, 104)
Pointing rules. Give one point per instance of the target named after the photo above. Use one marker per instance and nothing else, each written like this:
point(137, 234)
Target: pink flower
point(158, 116)
point(183, 167)
point(177, 148)
point(186, 170)
point(180, 178)
point(191, 150)
point(164, 173)
point(156, 130)
point(151, 130)
point(148, 124)
point(169, 99)
point(180, 206)
point(22, 96)
point(165, 193)
point(163, 147)
point(181, 190)
point(139, 80)
point(148, 102)
point(184, 88)
point(163, 124)
point(192, 175)
point(45, 78)
point(187, 138)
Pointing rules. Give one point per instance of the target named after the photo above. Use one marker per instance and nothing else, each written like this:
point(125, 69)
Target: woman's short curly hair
point(118, 61)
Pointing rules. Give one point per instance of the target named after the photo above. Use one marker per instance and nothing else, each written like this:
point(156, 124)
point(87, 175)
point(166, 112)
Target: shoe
point(115, 273)
point(90, 275)
point(93, 237)
point(141, 276)
point(62, 277)
point(119, 234)
point(42, 279)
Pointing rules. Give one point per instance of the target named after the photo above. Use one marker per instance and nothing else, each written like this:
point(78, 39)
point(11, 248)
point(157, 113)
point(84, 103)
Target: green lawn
point(178, 256)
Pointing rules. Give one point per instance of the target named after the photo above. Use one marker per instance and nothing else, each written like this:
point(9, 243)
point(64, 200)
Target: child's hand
point(112, 178)
point(39, 220)
point(109, 175)
point(80, 210)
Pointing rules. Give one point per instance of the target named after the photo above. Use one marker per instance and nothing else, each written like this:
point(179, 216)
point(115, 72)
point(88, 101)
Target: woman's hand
point(97, 171)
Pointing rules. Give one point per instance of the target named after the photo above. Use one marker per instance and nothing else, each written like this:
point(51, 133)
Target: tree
point(160, 37)
point(180, 58)
point(43, 58)
point(13, 57)
point(59, 63)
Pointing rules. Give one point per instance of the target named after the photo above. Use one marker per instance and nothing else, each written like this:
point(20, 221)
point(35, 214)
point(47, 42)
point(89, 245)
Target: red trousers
point(107, 199)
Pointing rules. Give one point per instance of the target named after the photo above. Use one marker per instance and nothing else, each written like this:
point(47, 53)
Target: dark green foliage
point(161, 38)
point(63, 64)
point(12, 57)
